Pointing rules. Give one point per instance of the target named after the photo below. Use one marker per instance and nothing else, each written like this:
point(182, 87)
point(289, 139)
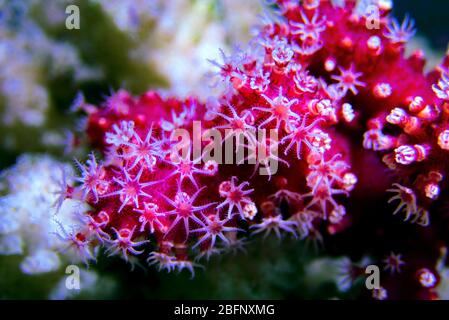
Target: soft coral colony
point(362, 137)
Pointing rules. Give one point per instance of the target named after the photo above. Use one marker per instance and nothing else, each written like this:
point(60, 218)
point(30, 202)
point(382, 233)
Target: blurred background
point(136, 45)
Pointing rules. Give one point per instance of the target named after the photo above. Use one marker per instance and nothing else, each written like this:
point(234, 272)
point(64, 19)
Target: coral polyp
point(325, 129)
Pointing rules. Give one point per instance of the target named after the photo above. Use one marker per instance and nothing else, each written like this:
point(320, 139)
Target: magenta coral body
point(362, 133)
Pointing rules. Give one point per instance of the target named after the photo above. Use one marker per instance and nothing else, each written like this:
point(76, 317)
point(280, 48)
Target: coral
point(27, 103)
point(184, 203)
point(22, 87)
point(31, 225)
point(336, 132)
